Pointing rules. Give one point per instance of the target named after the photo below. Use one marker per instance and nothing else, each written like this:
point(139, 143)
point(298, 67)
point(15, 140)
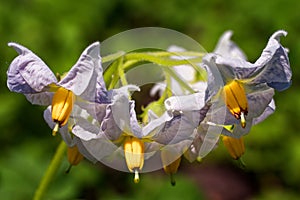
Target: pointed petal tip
point(19, 48)
point(278, 34)
point(93, 48)
point(227, 34)
point(10, 44)
point(95, 44)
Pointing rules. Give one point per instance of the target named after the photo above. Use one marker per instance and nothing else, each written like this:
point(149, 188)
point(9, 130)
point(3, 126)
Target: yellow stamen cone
point(134, 155)
point(235, 146)
point(62, 105)
point(236, 100)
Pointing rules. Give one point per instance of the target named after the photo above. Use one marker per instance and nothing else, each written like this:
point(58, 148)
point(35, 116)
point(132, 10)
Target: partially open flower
point(29, 75)
point(248, 87)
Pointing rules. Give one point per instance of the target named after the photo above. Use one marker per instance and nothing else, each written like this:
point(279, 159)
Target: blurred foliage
point(58, 31)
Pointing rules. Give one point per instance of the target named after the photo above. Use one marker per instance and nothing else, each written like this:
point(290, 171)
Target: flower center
point(62, 105)
point(134, 155)
point(236, 100)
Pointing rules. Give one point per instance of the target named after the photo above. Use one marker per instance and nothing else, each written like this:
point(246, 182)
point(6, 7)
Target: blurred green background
point(58, 31)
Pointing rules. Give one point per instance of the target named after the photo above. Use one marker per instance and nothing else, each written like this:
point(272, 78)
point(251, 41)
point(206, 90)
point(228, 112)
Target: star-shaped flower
point(248, 87)
point(29, 75)
point(118, 136)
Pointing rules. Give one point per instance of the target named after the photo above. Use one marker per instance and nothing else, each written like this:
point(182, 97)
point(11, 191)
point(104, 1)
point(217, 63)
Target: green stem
point(112, 57)
point(121, 71)
point(178, 53)
point(178, 79)
point(162, 58)
point(112, 75)
point(160, 61)
point(52, 168)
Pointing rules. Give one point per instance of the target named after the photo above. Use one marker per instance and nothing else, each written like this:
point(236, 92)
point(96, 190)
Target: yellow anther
point(134, 155)
point(235, 146)
point(62, 105)
point(236, 100)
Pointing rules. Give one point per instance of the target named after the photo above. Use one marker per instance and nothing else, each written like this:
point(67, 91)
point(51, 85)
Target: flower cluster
point(222, 95)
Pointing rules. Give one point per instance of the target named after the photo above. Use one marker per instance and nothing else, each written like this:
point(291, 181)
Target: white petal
point(43, 98)
point(82, 149)
point(99, 148)
point(28, 73)
point(79, 77)
point(85, 130)
point(258, 101)
point(64, 131)
point(191, 102)
point(210, 140)
point(274, 64)
point(157, 123)
point(267, 112)
point(227, 48)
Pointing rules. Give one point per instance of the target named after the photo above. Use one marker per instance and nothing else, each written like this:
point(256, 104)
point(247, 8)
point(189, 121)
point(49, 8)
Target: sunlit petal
point(28, 73)
point(227, 48)
point(78, 78)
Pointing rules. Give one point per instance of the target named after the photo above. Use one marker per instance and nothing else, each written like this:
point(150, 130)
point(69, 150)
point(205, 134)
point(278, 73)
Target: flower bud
point(62, 105)
point(235, 146)
point(236, 100)
point(134, 155)
point(74, 157)
point(170, 164)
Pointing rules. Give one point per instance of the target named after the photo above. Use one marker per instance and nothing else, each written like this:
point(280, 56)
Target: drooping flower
point(119, 134)
point(29, 75)
point(248, 87)
point(239, 94)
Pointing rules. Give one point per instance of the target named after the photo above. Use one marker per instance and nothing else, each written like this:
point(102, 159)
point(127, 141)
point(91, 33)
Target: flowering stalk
point(130, 60)
point(52, 168)
point(160, 61)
